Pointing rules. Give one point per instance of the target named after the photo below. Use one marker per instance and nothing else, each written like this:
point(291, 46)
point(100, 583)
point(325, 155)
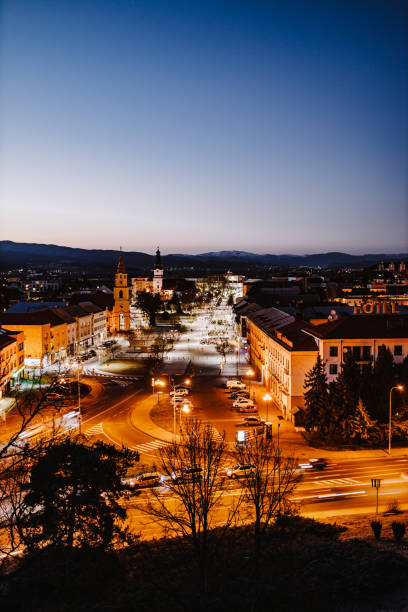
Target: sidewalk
point(140, 419)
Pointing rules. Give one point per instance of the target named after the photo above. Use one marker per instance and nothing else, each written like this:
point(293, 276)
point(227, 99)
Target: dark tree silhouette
point(72, 496)
point(149, 303)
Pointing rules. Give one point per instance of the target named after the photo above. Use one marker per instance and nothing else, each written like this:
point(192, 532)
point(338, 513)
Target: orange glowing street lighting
point(186, 408)
point(267, 398)
point(187, 381)
point(249, 373)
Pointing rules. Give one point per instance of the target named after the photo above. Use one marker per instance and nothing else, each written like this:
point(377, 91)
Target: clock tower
point(158, 273)
point(121, 308)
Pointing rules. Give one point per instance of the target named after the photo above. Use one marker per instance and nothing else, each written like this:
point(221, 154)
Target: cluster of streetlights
point(185, 408)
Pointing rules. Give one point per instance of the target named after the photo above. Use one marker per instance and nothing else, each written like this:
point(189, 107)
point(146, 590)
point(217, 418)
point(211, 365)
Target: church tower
point(158, 273)
point(121, 308)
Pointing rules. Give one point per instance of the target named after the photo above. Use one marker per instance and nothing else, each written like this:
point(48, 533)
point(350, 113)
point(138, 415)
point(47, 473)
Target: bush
point(393, 507)
point(398, 530)
point(376, 526)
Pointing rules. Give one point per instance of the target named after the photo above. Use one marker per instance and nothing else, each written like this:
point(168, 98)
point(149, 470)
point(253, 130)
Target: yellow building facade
point(120, 315)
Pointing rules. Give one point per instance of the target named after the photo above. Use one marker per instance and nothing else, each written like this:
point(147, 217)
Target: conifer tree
point(344, 397)
point(316, 397)
point(360, 423)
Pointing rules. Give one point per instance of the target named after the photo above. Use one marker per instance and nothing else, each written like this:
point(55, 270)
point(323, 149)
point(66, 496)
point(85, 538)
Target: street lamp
point(156, 382)
point(399, 388)
point(249, 373)
point(267, 398)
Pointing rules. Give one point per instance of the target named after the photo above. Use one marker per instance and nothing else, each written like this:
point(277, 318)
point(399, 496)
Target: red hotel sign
point(376, 308)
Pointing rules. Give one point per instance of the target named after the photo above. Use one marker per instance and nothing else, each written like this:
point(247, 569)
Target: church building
point(120, 316)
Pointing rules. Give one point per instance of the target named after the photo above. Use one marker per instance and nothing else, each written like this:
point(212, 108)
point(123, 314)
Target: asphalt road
point(343, 487)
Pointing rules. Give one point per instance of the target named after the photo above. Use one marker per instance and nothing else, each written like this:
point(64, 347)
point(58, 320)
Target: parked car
point(180, 392)
point(242, 401)
point(314, 464)
point(240, 393)
point(235, 383)
point(181, 401)
point(252, 421)
point(191, 474)
point(247, 408)
point(240, 470)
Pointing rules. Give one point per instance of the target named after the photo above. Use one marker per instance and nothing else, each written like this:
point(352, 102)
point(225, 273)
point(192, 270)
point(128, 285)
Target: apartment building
point(11, 359)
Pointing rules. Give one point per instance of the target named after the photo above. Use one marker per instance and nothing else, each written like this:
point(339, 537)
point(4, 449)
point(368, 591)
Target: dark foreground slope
point(304, 567)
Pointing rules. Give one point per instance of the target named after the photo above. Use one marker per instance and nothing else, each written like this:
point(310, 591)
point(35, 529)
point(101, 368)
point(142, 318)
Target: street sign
point(376, 484)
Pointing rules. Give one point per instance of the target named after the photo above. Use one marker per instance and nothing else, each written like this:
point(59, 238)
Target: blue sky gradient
point(260, 126)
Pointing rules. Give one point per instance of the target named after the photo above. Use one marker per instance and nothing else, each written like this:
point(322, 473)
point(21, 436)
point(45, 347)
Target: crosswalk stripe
point(150, 446)
point(95, 430)
point(338, 481)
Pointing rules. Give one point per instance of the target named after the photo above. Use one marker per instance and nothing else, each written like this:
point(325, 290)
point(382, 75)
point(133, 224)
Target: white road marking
point(147, 447)
point(95, 430)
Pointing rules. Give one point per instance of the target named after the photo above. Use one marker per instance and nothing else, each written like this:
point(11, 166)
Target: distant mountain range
point(16, 254)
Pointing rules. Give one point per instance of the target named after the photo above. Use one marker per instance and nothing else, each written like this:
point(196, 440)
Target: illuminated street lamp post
point(399, 388)
point(267, 398)
point(250, 373)
point(156, 382)
point(186, 410)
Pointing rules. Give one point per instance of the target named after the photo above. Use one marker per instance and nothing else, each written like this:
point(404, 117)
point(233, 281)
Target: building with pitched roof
point(284, 349)
point(11, 359)
point(45, 336)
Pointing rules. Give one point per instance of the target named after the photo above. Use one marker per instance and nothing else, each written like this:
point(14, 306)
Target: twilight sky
point(269, 126)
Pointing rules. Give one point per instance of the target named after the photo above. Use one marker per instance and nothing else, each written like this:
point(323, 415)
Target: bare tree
point(34, 419)
point(266, 490)
point(196, 504)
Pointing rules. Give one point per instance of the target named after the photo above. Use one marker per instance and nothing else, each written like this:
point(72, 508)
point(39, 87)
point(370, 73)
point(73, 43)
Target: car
point(191, 474)
point(314, 464)
point(241, 470)
point(252, 421)
point(144, 481)
point(240, 393)
point(234, 382)
point(242, 401)
point(182, 387)
point(248, 408)
point(237, 386)
point(54, 396)
point(180, 392)
point(181, 401)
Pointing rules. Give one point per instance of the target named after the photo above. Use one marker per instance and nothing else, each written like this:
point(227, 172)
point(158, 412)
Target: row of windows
point(361, 353)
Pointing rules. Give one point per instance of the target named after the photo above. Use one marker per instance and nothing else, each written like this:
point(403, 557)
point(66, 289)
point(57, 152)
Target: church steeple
point(158, 263)
point(121, 266)
point(158, 273)
point(121, 308)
